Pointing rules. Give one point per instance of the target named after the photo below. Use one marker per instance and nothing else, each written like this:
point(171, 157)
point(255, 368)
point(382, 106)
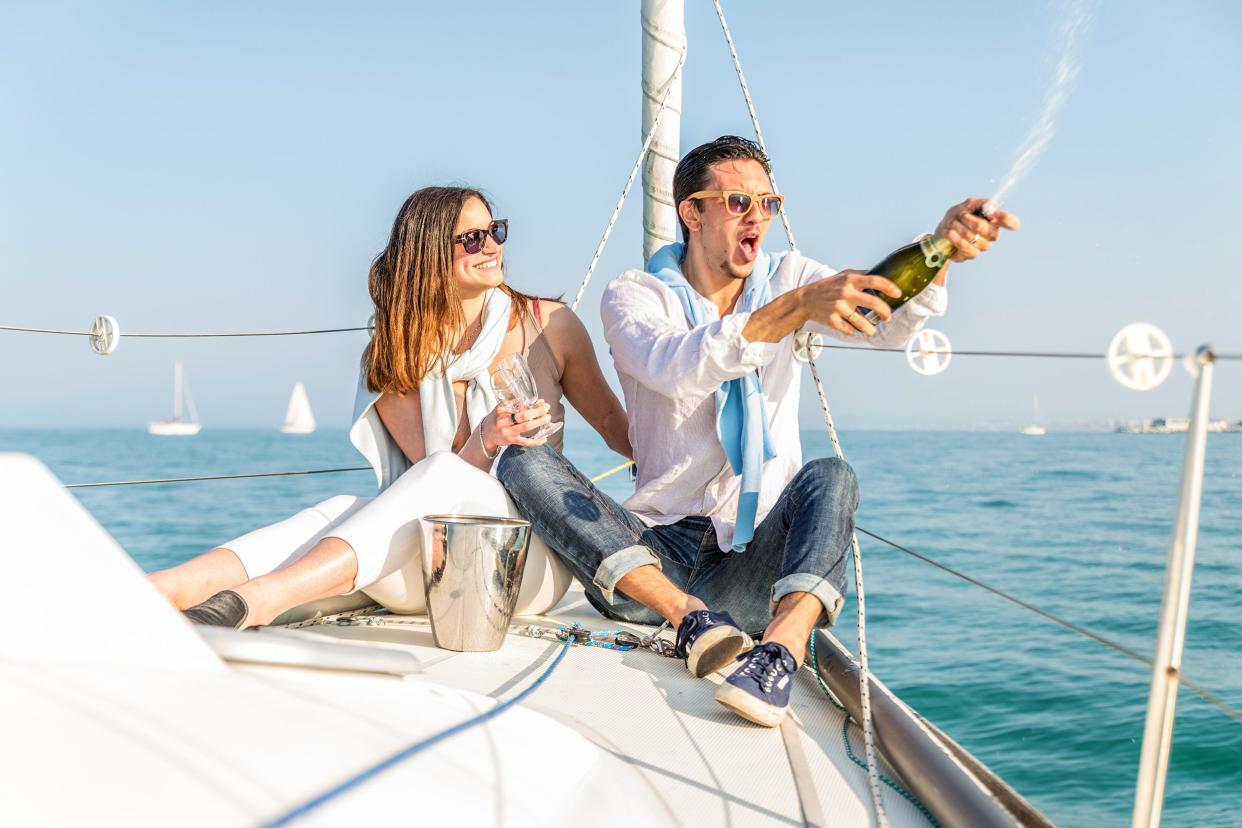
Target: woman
point(443, 318)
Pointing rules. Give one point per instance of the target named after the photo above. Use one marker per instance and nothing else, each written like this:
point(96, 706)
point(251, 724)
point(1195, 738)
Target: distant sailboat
point(1035, 429)
point(177, 427)
point(299, 419)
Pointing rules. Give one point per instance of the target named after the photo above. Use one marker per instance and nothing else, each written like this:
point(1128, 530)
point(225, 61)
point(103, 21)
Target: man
point(725, 515)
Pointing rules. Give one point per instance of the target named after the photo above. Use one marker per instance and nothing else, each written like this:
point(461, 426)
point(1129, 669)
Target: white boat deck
point(117, 711)
point(705, 764)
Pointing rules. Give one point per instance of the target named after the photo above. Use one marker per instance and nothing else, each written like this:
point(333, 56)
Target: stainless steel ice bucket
point(472, 571)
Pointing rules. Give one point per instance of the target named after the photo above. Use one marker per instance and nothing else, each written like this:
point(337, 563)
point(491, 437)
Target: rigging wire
point(211, 477)
point(102, 484)
point(629, 182)
point(873, 777)
point(1189, 683)
point(578, 297)
point(19, 329)
point(1031, 354)
point(1207, 695)
point(754, 118)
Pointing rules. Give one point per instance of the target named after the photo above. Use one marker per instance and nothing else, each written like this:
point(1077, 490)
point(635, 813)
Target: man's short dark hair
point(694, 168)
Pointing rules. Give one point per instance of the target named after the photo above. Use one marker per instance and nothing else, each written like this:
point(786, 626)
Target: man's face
point(723, 239)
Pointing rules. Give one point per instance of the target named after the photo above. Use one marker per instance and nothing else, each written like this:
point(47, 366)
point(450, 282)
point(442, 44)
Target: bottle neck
point(936, 251)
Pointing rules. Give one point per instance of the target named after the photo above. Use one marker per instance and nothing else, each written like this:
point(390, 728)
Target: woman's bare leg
point(328, 569)
point(199, 578)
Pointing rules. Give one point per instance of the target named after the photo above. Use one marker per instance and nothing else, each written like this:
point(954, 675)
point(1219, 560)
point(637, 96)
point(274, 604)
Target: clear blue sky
point(235, 166)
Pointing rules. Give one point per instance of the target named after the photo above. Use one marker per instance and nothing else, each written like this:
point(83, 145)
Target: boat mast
point(177, 391)
point(189, 400)
point(664, 39)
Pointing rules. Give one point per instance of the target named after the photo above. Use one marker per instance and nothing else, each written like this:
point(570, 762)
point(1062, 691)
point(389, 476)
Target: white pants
point(280, 544)
point(385, 533)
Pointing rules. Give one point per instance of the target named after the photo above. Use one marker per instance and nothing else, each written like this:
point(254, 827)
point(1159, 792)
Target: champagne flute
point(516, 391)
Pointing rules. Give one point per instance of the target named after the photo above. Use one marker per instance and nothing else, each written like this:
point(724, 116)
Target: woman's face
point(476, 272)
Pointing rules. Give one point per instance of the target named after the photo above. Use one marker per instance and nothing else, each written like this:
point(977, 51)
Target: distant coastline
point(1155, 425)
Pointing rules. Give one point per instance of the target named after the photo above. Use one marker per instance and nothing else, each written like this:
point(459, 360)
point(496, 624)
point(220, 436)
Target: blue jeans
point(802, 545)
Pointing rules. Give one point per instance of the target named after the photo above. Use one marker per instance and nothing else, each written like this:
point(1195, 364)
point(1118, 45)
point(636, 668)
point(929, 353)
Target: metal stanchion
point(1166, 670)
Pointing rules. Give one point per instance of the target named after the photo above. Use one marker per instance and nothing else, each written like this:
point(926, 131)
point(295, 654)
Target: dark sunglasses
point(472, 240)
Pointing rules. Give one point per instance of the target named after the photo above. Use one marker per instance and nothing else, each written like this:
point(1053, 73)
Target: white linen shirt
point(669, 374)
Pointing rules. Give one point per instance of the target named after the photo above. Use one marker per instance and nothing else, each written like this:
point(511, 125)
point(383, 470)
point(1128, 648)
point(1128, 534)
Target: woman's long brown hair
point(418, 313)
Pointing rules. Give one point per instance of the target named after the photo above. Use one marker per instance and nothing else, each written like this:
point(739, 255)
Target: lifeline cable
point(864, 682)
point(582, 288)
point(247, 476)
point(1189, 683)
point(18, 329)
point(1201, 691)
point(211, 477)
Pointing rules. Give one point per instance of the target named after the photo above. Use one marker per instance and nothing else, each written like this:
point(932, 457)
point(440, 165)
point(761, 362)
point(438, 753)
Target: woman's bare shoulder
point(558, 318)
point(564, 331)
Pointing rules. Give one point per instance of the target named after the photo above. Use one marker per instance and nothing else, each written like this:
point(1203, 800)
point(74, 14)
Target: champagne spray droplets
point(1074, 25)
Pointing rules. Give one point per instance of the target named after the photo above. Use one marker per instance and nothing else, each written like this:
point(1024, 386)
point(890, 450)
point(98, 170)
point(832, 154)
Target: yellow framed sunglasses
point(740, 203)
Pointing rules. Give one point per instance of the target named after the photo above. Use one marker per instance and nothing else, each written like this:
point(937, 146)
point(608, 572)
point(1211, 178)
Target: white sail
point(299, 419)
point(177, 427)
point(1035, 429)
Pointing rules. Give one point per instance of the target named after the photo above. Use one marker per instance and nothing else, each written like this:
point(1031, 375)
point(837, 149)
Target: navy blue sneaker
point(709, 640)
point(759, 689)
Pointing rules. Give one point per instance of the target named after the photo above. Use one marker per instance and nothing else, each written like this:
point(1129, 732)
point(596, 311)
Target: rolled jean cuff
point(827, 594)
point(619, 564)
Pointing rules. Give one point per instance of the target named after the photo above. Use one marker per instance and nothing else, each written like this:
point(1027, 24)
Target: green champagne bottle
point(914, 266)
point(911, 268)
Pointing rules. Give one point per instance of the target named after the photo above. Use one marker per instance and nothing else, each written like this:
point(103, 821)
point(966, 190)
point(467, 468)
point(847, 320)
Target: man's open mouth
point(749, 244)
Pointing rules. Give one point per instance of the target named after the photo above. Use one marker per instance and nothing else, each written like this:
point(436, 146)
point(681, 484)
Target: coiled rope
point(864, 681)
point(414, 749)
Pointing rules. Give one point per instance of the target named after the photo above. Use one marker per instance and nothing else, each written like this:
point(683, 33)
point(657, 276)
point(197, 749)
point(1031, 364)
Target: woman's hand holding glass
point(518, 395)
point(503, 428)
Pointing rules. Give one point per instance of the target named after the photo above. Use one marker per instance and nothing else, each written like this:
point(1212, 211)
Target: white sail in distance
point(177, 427)
point(1036, 428)
point(299, 419)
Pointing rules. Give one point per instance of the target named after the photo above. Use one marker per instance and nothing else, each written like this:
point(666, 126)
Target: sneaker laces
point(765, 664)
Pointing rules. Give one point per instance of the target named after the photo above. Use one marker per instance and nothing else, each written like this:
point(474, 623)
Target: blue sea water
point(1078, 524)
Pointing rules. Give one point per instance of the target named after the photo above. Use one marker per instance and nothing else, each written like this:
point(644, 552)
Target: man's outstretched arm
point(831, 302)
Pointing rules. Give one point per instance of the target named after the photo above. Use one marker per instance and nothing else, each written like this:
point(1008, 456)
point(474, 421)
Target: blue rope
point(849, 751)
point(417, 747)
